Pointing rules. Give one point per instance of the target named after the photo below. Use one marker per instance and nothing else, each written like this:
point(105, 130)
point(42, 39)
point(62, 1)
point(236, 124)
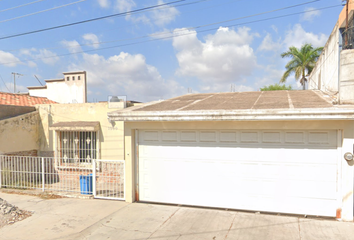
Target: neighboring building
point(19, 123)
point(334, 70)
point(278, 151)
point(70, 89)
point(12, 105)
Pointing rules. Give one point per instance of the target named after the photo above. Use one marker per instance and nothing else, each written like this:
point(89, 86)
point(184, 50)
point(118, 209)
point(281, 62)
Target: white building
point(70, 89)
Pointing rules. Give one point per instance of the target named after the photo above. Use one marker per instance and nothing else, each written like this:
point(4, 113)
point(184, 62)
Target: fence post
point(43, 180)
point(94, 177)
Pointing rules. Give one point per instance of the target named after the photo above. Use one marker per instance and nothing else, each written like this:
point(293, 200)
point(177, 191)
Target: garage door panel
point(262, 178)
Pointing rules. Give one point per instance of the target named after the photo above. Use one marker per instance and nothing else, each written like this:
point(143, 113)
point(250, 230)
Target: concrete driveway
point(69, 218)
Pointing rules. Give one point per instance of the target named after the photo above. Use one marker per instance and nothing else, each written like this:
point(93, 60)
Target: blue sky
point(192, 45)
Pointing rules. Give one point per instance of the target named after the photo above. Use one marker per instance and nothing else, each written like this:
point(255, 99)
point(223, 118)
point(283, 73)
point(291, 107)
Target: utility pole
point(18, 74)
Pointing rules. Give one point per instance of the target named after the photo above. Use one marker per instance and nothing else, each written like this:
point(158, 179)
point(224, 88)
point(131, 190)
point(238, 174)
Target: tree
point(302, 62)
point(276, 87)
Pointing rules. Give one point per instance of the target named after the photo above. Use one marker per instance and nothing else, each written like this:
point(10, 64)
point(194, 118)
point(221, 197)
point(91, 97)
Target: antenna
point(38, 79)
point(18, 74)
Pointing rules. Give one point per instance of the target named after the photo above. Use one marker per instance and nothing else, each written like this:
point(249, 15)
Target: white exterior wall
point(41, 92)
point(64, 90)
point(325, 74)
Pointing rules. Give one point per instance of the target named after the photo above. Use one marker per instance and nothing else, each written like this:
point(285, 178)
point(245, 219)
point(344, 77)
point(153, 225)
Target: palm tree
point(302, 62)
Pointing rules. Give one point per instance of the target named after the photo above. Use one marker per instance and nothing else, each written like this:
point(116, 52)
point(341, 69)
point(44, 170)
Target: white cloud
point(310, 14)
point(72, 46)
point(271, 75)
point(164, 14)
point(124, 5)
point(31, 64)
point(297, 36)
point(268, 44)
point(224, 57)
point(47, 57)
point(104, 3)
point(127, 74)
point(8, 59)
point(162, 34)
point(91, 39)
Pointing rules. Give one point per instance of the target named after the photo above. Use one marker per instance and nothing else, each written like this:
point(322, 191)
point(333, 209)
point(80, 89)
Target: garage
point(276, 151)
point(285, 171)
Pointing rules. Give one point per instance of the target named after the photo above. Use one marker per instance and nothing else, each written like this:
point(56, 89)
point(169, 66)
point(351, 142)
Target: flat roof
point(235, 106)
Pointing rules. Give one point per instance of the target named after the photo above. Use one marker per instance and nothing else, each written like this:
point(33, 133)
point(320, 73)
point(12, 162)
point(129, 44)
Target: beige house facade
point(258, 151)
point(39, 132)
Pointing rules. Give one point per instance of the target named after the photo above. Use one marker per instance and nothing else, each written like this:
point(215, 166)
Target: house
point(19, 123)
point(31, 124)
point(278, 151)
point(70, 89)
point(285, 151)
point(334, 70)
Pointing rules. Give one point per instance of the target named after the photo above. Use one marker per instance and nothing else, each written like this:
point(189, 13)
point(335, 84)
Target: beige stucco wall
point(19, 134)
point(8, 111)
point(345, 170)
point(110, 137)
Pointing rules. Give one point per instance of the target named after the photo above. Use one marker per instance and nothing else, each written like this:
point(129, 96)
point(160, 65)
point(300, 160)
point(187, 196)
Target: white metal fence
point(101, 178)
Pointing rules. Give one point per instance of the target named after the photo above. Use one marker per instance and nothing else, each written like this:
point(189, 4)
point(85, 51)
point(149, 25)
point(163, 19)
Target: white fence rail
point(101, 178)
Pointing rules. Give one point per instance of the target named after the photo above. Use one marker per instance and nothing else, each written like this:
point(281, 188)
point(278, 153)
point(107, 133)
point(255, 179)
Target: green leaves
point(302, 62)
point(276, 87)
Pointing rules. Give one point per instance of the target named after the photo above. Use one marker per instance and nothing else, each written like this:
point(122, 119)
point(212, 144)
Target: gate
point(108, 179)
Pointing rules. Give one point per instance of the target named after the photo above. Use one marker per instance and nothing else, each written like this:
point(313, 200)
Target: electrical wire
point(90, 20)
point(4, 81)
point(23, 5)
point(114, 29)
point(46, 10)
point(169, 37)
point(197, 27)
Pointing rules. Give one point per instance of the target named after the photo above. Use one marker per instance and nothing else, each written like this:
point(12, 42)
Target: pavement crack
point(163, 223)
point(228, 231)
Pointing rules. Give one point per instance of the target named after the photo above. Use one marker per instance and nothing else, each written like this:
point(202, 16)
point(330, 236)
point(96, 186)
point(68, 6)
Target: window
point(76, 149)
point(73, 78)
point(78, 77)
point(67, 78)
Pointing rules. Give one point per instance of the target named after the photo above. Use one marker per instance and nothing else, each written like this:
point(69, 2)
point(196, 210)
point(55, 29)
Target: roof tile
point(22, 99)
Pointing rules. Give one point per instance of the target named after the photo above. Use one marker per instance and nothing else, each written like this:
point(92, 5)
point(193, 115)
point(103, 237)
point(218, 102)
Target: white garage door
point(270, 170)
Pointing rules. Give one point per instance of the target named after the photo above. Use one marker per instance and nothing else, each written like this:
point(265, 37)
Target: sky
point(151, 50)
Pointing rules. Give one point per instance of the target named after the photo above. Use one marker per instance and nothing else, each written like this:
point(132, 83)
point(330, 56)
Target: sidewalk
point(88, 219)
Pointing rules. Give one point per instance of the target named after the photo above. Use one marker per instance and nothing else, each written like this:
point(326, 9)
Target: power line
point(114, 29)
point(90, 20)
point(3, 79)
point(197, 27)
point(23, 5)
point(180, 35)
point(46, 10)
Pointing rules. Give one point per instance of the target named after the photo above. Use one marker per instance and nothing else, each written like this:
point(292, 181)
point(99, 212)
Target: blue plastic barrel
point(86, 184)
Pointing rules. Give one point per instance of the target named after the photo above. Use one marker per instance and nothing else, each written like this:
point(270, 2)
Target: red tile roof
point(22, 99)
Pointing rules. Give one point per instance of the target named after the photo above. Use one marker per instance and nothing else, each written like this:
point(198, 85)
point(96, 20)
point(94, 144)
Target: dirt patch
point(43, 195)
point(9, 214)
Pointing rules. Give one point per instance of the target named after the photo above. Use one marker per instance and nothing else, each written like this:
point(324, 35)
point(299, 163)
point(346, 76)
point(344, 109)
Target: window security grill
point(77, 148)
